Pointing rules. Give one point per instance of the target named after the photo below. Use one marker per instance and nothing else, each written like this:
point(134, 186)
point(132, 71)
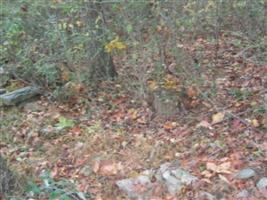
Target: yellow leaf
point(114, 44)
point(255, 123)
point(218, 117)
point(65, 76)
point(132, 113)
point(152, 85)
point(79, 23)
point(169, 84)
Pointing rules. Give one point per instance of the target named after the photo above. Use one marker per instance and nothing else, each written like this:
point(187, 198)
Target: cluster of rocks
point(173, 178)
point(169, 175)
point(248, 173)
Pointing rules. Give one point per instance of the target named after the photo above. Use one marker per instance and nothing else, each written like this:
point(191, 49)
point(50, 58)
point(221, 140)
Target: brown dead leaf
point(211, 166)
point(96, 166)
point(65, 76)
point(132, 113)
point(152, 85)
point(169, 125)
point(236, 125)
point(109, 167)
point(191, 92)
point(222, 168)
point(204, 124)
point(206, 174)
point(142, 120)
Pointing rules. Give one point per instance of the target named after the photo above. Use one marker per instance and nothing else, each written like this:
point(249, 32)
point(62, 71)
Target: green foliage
point(64, 123)
point(51, 189)
point(239, 94)
point(37, 36)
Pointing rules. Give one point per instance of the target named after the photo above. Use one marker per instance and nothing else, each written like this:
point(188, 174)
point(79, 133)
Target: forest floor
point(111, 137)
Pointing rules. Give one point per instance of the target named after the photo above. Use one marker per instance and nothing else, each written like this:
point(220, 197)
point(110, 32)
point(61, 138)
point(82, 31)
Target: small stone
point(174, 177)
point(243, 194)
point(205, 196)
point(132, 186)
point(262, 183)
point(245, 173)
point(183, 176)
point(86, 170)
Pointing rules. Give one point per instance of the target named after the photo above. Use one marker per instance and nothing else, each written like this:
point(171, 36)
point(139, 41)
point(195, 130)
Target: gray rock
point(2, 91)
point(245, 173)
point(163, 168)
point(205, 196)
point(169, 174)
point(262, 183)
point(243, 194)
point(132, 186)
point(173, 184)
point(17, 96)
point(174, 177)
point(184, 176)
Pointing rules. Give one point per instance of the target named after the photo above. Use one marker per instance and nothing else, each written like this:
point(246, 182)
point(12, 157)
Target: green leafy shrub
point(61, 189)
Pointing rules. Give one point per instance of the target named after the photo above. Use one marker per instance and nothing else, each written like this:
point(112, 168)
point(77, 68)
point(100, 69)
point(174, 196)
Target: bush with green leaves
point(62, 189)
point(39, 37)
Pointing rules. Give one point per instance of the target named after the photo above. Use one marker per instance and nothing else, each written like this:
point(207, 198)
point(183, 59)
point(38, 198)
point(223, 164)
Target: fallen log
point(18, 96)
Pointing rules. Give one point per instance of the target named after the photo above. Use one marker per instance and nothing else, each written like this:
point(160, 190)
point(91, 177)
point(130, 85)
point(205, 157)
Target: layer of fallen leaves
point(111, 137)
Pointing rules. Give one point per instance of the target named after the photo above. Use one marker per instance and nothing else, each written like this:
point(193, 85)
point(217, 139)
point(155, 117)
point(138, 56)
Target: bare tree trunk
point(8, 182)
point(100, 62)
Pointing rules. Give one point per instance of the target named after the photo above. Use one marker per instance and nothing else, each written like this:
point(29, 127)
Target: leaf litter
point(117, 140)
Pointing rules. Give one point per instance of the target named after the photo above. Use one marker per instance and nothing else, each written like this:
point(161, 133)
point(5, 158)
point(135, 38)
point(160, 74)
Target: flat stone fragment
point(135, 187)
point(243, 194)
point(262, 183)
point(173, 184)
point(174, 177)
point(205, 196)
point(245, 173)
point(17, 96)
point(183, 176)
